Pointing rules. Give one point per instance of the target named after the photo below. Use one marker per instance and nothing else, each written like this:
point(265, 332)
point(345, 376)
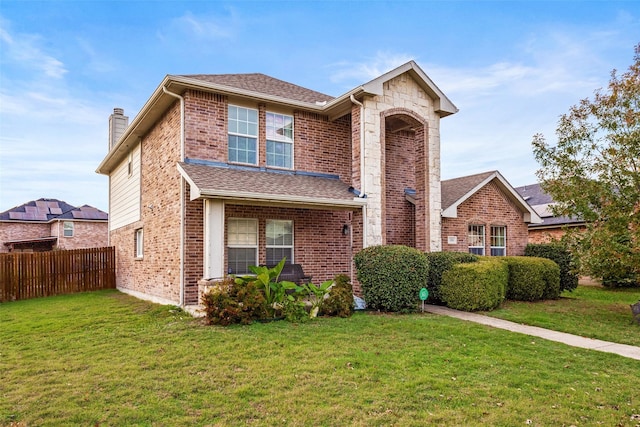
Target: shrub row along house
point(220, 172)
point(47, 224)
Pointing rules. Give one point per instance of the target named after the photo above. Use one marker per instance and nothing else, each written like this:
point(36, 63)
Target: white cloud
point(201, 28)
point(24, 50)
point(361, 72)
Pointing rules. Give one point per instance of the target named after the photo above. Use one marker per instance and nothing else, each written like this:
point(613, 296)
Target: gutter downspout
point(182, 192)
point(363, 192)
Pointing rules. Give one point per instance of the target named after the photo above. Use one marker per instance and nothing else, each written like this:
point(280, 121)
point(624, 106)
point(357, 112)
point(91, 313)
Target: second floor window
point(243, 135)
point(67, 229)
point(279, 129)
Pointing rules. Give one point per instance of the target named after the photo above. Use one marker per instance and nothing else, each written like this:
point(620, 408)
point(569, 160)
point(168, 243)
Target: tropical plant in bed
point(317, 295)
point(266, 279)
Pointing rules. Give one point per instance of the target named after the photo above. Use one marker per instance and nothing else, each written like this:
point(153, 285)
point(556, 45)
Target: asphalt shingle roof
point(262, 83)
point(453, 189)
point(271, 185)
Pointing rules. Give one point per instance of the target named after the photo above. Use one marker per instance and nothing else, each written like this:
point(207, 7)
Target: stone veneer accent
point(401, 92)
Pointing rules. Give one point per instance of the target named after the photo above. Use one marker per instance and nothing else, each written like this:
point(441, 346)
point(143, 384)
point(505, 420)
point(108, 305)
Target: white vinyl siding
point(124, 206)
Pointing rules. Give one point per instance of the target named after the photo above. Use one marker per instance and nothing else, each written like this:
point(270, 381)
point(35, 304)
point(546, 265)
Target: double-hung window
point(242, 244)
point(279, 129)
point(498, 240)
point(67, 228)
point(279, 241)
point(476, 239)
point(243, 135)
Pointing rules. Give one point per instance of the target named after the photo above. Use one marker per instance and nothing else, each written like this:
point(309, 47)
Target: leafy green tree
point(593, 173)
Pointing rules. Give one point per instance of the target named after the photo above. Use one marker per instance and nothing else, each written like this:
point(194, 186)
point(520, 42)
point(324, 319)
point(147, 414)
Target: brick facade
point(86, 234)
point(176, 249)
point(488, 206)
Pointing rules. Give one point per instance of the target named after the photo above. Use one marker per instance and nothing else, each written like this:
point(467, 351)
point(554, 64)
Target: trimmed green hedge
point(439, 262)
point(475, 286)
point(532, 278)
point(558, 253)
point(391, 277)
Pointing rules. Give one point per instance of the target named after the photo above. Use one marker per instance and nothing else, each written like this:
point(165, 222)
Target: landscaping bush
point(475, 286)
point(439, 262)
point(558, 253)
point(232, 302)
point(391, 277)
point(532, 278)
point(340, 300)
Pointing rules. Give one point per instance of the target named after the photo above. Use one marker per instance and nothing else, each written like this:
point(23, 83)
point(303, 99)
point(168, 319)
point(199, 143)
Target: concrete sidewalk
point(573, 340)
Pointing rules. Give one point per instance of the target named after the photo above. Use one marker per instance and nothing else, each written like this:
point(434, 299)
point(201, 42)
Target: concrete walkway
point(625, 350)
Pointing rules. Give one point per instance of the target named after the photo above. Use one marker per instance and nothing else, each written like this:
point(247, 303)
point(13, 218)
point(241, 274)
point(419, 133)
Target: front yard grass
point(105, 358)
point(588, 311)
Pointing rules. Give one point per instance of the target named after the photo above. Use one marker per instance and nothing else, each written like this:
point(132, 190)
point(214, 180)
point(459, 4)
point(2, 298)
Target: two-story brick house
point(219, 172)
point(47, 224)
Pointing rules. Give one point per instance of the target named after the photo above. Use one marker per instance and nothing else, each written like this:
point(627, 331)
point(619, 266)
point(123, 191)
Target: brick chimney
point(118, 123)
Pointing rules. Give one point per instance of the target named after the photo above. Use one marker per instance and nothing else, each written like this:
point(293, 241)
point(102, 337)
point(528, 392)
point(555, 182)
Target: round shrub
point(558, 253)
point(340, 300)
point(230, 302)
point(475, 286)
point(391, 277)
point(439, 262)
point(532, 278)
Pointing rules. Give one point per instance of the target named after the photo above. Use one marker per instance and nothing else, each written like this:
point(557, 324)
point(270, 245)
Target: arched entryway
point(404, 143)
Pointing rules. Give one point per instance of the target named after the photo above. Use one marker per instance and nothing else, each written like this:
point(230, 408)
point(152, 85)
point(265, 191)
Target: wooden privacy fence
point(40, 274)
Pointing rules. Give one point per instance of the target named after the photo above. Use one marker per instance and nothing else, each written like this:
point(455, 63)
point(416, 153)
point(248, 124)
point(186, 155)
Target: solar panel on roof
point(16, 215)
point(31, 209)
point(56, 211)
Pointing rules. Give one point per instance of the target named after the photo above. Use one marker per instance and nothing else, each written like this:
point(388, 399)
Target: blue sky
point(511, 67)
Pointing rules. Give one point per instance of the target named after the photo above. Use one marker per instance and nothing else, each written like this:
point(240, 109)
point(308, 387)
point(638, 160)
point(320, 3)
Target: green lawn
point(588, 311)
point(105, 358)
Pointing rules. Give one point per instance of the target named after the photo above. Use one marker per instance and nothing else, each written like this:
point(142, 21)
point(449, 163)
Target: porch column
point(214, 239)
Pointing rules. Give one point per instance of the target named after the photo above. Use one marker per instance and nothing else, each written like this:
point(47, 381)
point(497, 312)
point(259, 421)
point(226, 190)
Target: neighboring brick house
point(47, 224)
point(484, 215)
point(219, 172)
point(552, 227)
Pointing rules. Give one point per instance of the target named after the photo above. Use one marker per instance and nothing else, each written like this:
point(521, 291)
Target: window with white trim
point(242, 244)
point(139, 243)
point(67, 228)
point(498, 240)
point(476, 239)
point(279, 129)
point(243, 135)
point(279, 241)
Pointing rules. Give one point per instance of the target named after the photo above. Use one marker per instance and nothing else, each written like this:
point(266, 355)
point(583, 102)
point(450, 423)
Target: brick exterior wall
point(547, 235)
point(400, 160)
point(157, 273)
point(20, 231)
point(86, 234)
point(319, 245)
point(488, 206)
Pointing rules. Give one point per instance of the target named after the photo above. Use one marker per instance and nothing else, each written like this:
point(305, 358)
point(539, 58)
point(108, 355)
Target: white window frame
point(232, 130)
point(139, 242)
point(290, 260)
point(273, 136)
point(494, 237)
point(237, 244)
point(68, 226)
point(476, 238)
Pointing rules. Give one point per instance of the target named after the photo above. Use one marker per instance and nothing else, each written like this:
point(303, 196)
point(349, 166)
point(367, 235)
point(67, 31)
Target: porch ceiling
point(261, 187)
